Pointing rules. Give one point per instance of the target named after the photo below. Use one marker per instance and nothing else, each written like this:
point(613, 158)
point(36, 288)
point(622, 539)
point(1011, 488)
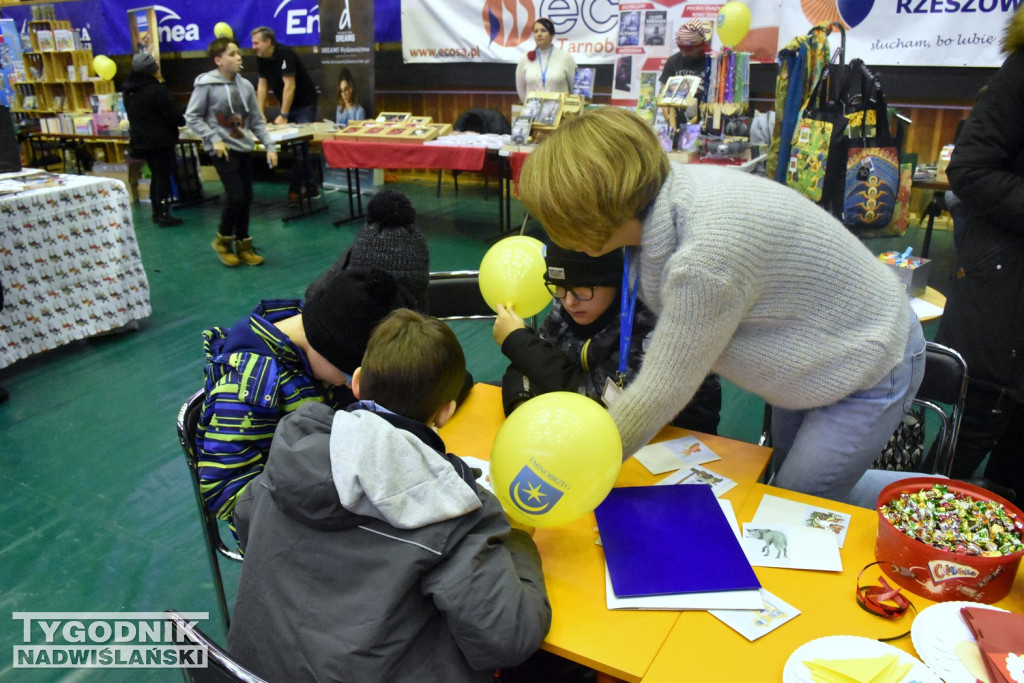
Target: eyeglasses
point(578, 293)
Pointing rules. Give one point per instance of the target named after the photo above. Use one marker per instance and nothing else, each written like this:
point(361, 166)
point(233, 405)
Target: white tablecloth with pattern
point(69, 265)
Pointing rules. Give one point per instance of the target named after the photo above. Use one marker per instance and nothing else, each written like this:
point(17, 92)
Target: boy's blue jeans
point(824, 451)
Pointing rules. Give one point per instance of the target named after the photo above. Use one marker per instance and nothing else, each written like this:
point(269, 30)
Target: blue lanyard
point(544, 69)
point(628, 308)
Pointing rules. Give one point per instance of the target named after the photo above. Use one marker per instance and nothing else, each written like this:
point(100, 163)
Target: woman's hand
point(272, 159)
point(507, 323)
point(220, 149)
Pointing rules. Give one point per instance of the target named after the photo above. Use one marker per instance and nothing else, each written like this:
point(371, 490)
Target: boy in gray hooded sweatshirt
point(223, 112)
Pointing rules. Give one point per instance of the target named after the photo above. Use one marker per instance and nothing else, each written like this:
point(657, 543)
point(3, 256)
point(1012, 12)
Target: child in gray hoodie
point(223, 112)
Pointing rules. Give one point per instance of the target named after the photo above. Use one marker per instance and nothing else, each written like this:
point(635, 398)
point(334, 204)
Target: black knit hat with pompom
point(390, 241)
point(338, 319)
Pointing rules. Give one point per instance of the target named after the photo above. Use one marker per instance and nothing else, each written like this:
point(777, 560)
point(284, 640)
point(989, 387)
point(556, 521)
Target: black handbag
point(905, 449)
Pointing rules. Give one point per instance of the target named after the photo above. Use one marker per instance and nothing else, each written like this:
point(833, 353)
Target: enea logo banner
point(502, 30)
point(187, 25)
point(909, 32)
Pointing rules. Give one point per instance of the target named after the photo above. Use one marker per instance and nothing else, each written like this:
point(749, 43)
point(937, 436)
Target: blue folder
point(660, 540)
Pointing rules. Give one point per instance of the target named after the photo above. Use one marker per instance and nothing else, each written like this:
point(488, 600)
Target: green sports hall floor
point(96, 512)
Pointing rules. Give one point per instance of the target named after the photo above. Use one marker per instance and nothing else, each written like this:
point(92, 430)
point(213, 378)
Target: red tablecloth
point(354, 154)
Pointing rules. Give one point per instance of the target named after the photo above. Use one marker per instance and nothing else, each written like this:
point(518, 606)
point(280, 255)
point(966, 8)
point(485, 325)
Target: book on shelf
point(105, 120)
point(45, 41)
point(82, 125)
point(64, 39)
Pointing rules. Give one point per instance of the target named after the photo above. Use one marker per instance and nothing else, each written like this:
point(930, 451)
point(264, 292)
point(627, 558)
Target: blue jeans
point(824, 451)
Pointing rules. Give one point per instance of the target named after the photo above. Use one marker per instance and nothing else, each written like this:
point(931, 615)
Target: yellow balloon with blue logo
point(512, 274)
point(555, 459)
point(222, 29)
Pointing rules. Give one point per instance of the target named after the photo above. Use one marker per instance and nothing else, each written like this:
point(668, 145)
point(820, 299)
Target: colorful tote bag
point(872, 185)
point(816, 137)
point(872, 164)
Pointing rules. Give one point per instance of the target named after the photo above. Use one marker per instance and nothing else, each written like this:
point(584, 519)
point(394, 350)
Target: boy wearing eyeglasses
point(579, 345)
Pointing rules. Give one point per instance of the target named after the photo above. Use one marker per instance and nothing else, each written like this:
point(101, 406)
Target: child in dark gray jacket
point(370, 553)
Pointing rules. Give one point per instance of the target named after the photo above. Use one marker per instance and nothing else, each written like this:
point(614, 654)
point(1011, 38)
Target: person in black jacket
point(577, 347)
point(984, 315)
point(154, 118)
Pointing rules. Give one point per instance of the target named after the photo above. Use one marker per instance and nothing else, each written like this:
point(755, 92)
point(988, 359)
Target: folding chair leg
point(439, 172)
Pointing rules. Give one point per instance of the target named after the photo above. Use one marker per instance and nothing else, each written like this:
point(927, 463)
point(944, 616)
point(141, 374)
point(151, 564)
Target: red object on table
point(353, 154)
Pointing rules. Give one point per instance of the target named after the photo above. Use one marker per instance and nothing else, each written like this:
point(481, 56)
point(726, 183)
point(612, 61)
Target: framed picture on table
point(393, 117)
point(551, 109)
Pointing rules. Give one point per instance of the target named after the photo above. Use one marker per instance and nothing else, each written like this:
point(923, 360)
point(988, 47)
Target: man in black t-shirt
point(281, 71)
point(689, 61)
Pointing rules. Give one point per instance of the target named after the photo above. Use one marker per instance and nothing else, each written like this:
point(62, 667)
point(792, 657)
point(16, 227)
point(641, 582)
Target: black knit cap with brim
point(390, 241)
point(576, 269)
point(339, 318)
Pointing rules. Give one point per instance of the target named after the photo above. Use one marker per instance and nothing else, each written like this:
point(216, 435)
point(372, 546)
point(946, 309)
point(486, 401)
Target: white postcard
point(775, 510)
point(667, 456)
point(790, 547)
point(696, 474)
point(752, 624)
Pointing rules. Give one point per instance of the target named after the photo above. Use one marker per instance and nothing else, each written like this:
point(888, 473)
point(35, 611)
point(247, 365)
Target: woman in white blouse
point(547, 68)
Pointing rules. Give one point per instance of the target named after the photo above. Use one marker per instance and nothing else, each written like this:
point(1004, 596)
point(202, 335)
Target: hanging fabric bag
point(817, 138)
point(872, 162)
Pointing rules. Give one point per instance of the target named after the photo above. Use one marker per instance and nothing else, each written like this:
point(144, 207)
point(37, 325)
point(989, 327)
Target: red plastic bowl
point(937, 574)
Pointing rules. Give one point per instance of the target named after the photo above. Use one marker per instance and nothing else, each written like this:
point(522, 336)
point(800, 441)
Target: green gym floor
point(96, 510)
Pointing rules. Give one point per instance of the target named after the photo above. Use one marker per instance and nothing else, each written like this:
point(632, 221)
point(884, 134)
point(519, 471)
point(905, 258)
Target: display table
point(355, 154)
point(69, 265)
point(825, 599)
point(667, 646)
point(622, 643)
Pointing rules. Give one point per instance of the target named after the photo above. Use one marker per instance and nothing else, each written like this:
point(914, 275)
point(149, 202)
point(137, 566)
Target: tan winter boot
point(222, 245)
point(246, 253)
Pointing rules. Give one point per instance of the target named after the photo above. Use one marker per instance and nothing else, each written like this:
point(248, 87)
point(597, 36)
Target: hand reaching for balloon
point(507, 323)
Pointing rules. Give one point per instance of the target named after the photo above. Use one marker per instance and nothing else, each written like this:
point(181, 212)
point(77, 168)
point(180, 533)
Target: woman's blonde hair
point(592, 175)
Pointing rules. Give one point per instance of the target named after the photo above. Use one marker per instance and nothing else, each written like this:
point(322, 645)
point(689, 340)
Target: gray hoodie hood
point(392, 475)
point(226, 110)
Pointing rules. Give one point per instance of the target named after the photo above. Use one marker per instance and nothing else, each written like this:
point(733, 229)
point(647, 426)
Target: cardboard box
point(128, 173)
point(913, 271)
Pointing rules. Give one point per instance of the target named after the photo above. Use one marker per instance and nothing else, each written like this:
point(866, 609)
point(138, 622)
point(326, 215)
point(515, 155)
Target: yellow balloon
point(222, 29)
point(512, 274)
point(104, 67)
point(733, 23)
point(555, 459)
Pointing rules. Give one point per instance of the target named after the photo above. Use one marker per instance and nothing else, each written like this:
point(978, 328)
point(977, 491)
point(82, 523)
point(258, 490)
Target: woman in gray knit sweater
point(750, 280)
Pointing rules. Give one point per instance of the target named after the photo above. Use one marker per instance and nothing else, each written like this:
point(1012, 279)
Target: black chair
point(455, 295)
point(220, 667)
point(479, 121)
point(188, 419)
point(944, 383)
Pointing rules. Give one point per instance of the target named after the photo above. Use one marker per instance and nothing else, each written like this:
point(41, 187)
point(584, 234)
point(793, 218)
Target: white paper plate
point(850, 647)
point(936, 632)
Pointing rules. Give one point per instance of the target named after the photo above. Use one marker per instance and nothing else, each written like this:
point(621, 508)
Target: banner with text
point(187, 25)
point(502, 30)
point(910, 32)
point(346, 39)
